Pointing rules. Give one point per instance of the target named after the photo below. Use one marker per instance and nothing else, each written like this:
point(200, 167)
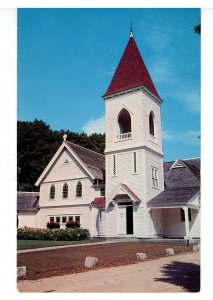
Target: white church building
point(129, 191)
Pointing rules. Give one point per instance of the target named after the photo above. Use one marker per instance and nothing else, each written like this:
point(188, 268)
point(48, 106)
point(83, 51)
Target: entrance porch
point(180, 213)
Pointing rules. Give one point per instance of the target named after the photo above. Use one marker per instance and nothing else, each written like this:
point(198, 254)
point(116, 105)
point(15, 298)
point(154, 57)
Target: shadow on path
point(182, 274)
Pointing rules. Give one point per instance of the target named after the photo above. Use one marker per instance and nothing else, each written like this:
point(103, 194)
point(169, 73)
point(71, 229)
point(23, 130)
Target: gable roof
point(131, 72)
point(131, 193)
point(92, 162)
point(28, 201)
point(99, 202)
point(181, 184)
point(123, 192)
point(188, 176)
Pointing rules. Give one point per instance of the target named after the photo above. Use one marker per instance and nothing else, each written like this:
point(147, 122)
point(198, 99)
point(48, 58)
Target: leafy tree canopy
point(36, 145)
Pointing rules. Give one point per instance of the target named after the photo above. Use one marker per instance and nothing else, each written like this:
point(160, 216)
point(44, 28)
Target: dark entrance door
point(129, 219)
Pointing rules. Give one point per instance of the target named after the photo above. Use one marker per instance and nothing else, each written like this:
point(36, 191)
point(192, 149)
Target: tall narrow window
point(151, 124)
point(79, 189)
point(114, 165)
point(154, 178)
point(65, 191)
point(135, 162)
point(102, 192)
point(52, 192)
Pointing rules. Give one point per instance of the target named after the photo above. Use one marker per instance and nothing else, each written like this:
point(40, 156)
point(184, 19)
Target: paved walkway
point(180, 273)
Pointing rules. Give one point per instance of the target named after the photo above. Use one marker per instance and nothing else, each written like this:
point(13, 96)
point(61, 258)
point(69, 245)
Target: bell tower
point(134, 157)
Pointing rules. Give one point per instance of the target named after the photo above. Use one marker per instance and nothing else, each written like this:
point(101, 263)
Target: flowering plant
point(53, 225)
point(72, 224)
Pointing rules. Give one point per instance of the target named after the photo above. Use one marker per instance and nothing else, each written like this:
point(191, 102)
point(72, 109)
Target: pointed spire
point(131, 71)
point(131, 32)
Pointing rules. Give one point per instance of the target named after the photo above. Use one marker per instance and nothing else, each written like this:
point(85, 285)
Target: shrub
point(69, 234)
point(73, 224)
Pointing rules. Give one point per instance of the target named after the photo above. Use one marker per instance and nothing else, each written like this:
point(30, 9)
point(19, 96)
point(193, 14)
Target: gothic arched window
point(151, 124)
point(79, 189)
point(52, 192)
point(65, 191)
point(124, 121)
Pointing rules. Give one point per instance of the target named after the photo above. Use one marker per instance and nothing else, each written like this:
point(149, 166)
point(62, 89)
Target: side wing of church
point(72, 188)
point(130, 191)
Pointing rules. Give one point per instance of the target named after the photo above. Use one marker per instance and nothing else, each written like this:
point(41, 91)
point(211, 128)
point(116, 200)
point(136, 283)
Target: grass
point(32, 244)
point(71, 260)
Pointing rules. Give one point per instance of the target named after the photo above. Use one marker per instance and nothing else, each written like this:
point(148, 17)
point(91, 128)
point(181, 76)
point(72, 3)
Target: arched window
point(52, 192)
point(151, 124)
point(65, 191)
point(79, 189)
point(124, 121)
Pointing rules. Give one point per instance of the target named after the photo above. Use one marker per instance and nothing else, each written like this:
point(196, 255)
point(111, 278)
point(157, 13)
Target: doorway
point(129, 219)
point(125, 219)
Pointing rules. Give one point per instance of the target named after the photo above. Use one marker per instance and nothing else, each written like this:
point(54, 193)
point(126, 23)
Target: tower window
point(124, 124)
point(154, 178)
point(52, 192)
point(151, 124)
point(79, 189)
point(114, 165)
point(135, 162)
point(65, 191)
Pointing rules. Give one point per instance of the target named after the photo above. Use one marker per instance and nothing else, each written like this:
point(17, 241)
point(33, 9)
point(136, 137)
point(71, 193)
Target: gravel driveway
point(180, 273)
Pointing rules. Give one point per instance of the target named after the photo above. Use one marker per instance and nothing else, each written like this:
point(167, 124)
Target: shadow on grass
point(182, 274)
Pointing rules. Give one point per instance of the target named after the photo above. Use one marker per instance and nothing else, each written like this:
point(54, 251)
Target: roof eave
point(132, 90)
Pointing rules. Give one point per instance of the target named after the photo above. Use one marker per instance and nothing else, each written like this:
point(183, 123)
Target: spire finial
point(131, 33)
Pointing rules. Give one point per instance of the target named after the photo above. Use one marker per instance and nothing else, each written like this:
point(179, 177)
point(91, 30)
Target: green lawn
point(31, 244)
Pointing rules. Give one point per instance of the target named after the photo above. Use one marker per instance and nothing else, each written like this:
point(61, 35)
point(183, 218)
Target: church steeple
point(131, 71)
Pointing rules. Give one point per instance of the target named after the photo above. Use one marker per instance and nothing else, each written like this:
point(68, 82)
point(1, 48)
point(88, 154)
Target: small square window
point(52, 219)
point(70, 218)
point(64, 219)
point(77, 218)
point(58, 219)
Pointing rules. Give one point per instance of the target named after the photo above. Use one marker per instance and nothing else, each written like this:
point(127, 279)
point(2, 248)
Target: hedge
point(72, 234)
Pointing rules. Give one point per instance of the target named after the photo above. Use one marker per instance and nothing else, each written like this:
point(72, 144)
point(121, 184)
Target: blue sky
point(67, 57)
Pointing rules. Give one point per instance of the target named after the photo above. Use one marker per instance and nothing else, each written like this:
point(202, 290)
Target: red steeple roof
point(131, 72)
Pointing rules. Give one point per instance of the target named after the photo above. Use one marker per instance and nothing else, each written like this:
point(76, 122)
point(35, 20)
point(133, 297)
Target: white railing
point(124, 136)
